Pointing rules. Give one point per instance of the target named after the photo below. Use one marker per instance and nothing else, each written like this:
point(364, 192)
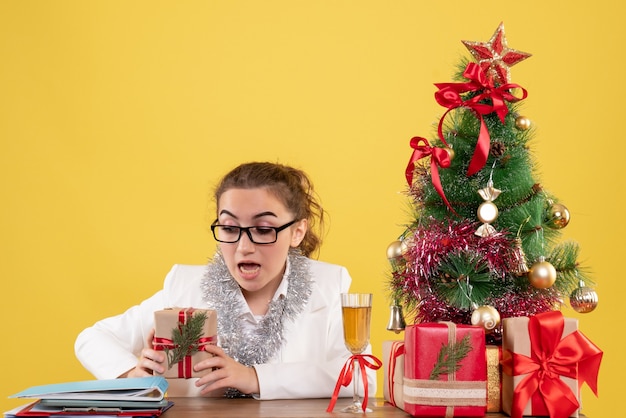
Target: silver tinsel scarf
point(222, 293)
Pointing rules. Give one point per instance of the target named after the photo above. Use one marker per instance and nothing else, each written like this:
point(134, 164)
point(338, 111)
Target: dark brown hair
point(290, 185)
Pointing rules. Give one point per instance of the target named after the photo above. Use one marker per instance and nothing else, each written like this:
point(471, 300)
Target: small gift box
point(545, 361)
point(393, 367)
point(183, 334)
point(494, 378)
point(445, 372)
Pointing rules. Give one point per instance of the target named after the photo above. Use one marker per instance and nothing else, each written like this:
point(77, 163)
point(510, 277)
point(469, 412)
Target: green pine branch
point(564, 258)
point(450, 357)
point(465, 280)
point(185, 338)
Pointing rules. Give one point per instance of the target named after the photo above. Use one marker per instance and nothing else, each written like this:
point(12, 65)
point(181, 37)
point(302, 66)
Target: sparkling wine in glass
point(357, 312)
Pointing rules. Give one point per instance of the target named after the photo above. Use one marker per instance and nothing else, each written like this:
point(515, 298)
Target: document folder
point(137, 389)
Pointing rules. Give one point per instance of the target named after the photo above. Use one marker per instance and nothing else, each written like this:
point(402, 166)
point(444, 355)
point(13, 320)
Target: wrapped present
point(393, 367)
point(445, 372)
point(494, 378)
point(545, 361)
point(183, 333)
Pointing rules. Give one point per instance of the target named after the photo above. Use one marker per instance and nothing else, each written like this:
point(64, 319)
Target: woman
point(279, 313)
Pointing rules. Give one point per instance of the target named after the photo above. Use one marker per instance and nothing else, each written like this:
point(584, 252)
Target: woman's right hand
point(150, 361)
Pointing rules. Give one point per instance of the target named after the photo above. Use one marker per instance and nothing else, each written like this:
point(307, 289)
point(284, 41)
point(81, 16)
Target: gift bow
point(439, 157)
point(345, 377)
point(449, 96)
point(162, 344)
point(552, 356)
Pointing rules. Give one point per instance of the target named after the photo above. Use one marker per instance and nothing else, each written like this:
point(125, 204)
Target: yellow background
point(117, 117)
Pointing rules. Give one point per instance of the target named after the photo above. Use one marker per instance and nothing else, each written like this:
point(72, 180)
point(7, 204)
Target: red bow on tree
point(552, 356)
point(439, 157)
point(449, 96)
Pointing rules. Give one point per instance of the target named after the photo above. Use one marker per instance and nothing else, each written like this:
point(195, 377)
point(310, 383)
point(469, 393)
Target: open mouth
point(249, 270)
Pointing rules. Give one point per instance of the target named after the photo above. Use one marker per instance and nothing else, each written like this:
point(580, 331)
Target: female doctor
point(279, 312)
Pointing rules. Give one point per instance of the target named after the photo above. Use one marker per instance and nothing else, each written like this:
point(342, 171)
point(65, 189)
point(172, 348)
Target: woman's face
point(257, 268)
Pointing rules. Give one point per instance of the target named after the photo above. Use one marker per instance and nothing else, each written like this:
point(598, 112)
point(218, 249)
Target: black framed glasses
point(258, 234)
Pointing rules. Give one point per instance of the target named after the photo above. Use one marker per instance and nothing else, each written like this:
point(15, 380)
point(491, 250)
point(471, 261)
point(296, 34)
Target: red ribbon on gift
point(449, 96)
point(552, 356)
point(345, 377)
point(439, 157)
point(397, 350)
point(184, 366)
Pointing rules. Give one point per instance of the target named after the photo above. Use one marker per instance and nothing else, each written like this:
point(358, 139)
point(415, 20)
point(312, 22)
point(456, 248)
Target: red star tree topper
point(495, 57)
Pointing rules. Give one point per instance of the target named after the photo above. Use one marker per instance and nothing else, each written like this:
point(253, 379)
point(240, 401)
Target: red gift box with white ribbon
point(445, 372)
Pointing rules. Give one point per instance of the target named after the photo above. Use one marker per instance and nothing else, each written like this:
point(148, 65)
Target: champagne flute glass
point(357, 311)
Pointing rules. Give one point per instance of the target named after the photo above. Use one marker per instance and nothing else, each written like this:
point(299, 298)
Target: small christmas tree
point(483, 243)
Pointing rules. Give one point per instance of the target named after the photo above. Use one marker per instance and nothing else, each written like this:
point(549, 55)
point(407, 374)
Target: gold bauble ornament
point(450, 152)
point(583, 299)
point(395, 254)
point(394, 250)
point(542, 274)
point(522, 123)
point(558, 216)
point(487, 212)
point(487, 317)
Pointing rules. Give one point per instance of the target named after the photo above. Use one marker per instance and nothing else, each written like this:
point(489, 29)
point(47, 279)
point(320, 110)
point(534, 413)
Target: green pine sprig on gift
point(185, 338)
point(450, 357)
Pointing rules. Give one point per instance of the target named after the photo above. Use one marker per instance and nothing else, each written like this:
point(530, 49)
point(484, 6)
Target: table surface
point(293, 408)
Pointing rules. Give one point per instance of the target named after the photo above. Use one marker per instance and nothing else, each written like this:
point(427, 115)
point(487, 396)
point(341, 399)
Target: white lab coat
point(307, 366)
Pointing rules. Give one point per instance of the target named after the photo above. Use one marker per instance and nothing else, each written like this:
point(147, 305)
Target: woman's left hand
point(227, 373)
